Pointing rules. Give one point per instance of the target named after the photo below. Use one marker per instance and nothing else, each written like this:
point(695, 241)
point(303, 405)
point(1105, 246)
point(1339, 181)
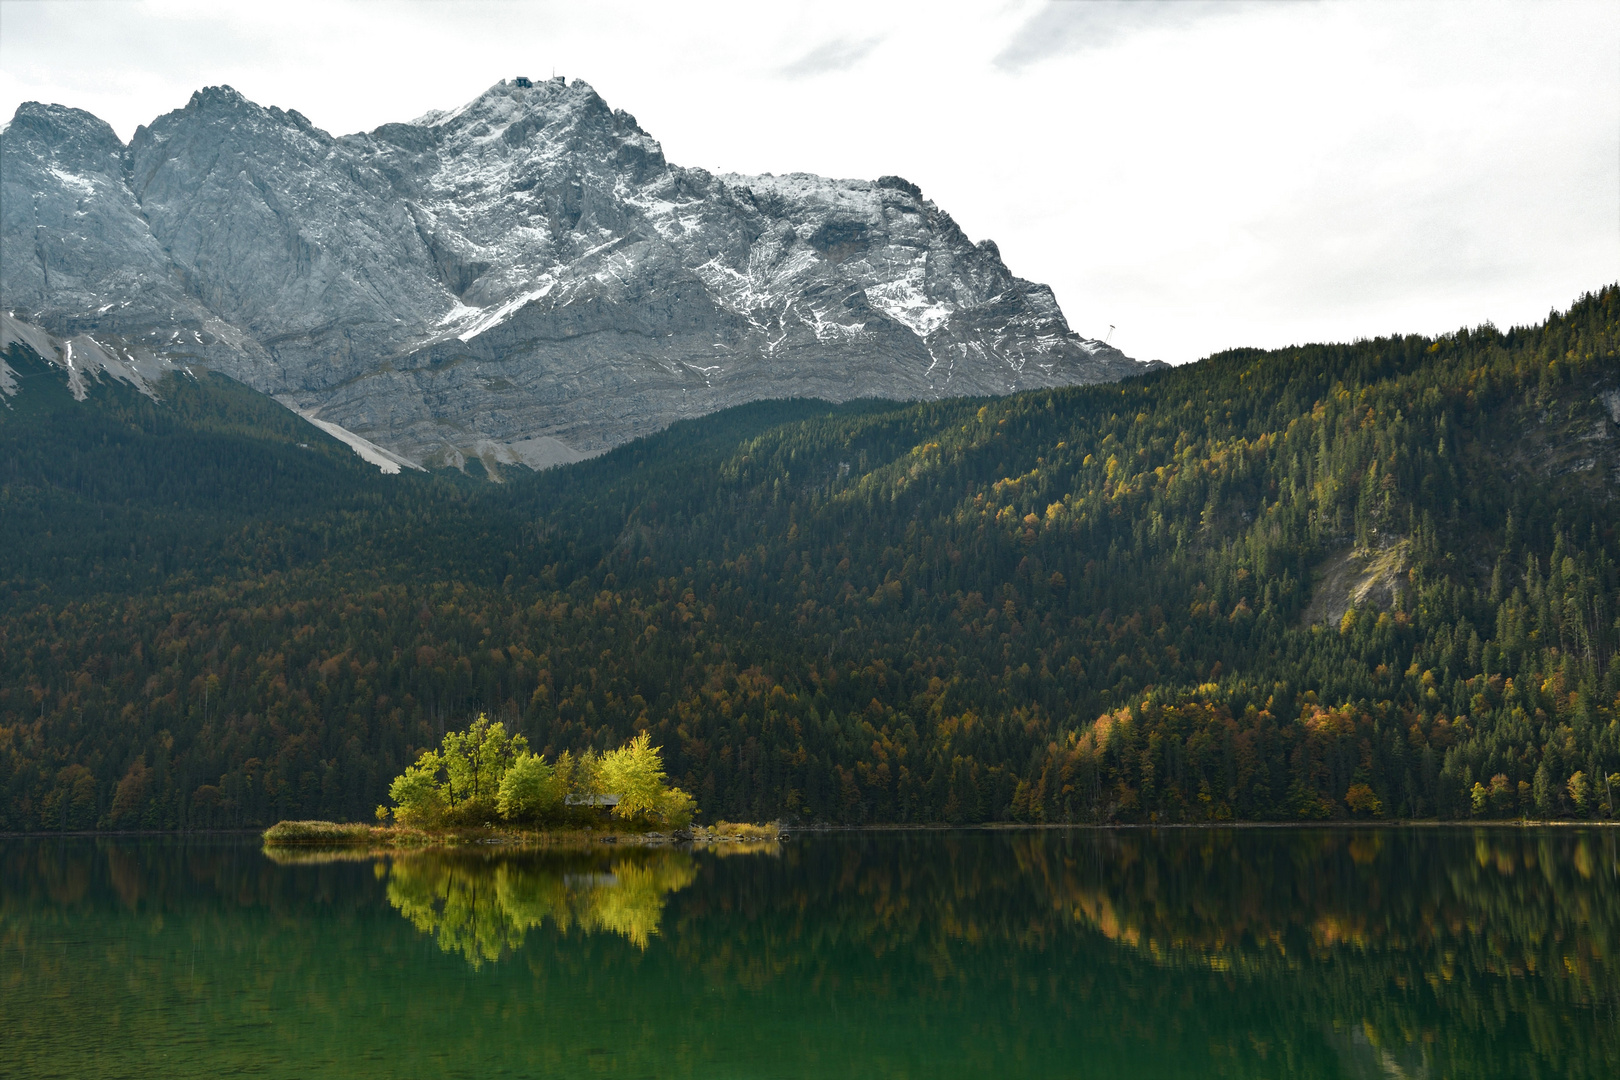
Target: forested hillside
point(1329, 581)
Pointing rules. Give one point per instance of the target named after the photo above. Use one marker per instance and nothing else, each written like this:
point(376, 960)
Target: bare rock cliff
point(525, 278)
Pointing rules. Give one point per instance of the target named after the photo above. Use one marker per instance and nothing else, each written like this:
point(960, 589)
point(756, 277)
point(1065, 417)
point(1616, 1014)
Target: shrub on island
point(483, 775)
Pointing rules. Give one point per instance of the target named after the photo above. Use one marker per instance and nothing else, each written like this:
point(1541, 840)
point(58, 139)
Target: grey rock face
point(525, 278)
point(74, 247)
point(285, 233)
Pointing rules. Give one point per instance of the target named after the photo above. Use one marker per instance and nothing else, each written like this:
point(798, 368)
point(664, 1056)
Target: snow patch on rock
point(906, 302)
point(387, 462)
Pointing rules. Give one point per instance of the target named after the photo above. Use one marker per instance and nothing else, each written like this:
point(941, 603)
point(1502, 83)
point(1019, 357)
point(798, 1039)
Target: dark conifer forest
point(1334, 581)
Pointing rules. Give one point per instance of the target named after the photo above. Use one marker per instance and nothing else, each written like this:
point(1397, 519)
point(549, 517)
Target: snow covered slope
point(525, 278)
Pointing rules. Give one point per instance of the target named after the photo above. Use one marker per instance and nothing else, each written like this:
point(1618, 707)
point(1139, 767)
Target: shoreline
point(464, 837)
point(1402, 823)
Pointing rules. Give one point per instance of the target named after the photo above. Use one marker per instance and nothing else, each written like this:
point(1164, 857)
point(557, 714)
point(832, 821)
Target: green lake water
point(1417, 952)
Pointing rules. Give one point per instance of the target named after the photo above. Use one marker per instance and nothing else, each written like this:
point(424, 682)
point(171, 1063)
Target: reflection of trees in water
point(1427, 952)
point(1466, 951)
point(1319, 954)
point(1514, 904)
point(481, 907)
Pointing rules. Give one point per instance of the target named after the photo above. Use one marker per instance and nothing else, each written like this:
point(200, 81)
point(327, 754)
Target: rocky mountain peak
point(523, 278)
point(219, 97)
point(222, 109)
point(513, 112)
point(72, 137)
point(900, 183)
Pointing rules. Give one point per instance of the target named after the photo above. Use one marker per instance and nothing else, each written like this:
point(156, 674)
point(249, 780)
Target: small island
point(484, 786)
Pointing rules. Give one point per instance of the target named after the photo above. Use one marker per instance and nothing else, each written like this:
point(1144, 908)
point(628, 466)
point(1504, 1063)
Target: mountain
point(1328, 581)
point(523, 279)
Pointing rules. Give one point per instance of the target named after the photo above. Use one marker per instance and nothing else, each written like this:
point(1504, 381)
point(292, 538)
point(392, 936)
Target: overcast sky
point(1200, 174)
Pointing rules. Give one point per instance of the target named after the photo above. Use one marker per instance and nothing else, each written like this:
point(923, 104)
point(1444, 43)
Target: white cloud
point(1055, 29)
point(839, 54)
point(1201, 175)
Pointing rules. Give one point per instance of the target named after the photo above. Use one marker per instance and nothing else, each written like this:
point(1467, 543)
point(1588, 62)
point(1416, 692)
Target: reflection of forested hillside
point(865, 613)
point(1473, 949)
point(1254, 953)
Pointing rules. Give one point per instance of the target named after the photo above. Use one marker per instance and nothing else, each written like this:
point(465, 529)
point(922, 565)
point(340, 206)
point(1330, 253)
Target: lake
point(1401, 952)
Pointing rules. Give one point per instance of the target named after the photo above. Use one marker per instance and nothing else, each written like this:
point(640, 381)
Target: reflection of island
point(481, 906)
point(1323, 953)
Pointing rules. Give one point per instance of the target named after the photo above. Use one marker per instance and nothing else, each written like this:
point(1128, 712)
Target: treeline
point(865, 613)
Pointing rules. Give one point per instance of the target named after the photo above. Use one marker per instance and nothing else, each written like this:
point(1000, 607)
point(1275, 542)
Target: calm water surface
point(1417, 953)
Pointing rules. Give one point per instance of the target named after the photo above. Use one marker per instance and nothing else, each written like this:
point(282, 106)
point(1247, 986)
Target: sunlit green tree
point(460, 782)
point(417, 794)
point(475, 760)
point(531, 790)
point(483, 773)
point(635, 773)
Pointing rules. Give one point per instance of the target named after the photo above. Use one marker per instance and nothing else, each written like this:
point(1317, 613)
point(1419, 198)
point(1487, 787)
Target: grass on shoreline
point(326, 833)
point(338, 834)
point(731, 830)
point(333, 834)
